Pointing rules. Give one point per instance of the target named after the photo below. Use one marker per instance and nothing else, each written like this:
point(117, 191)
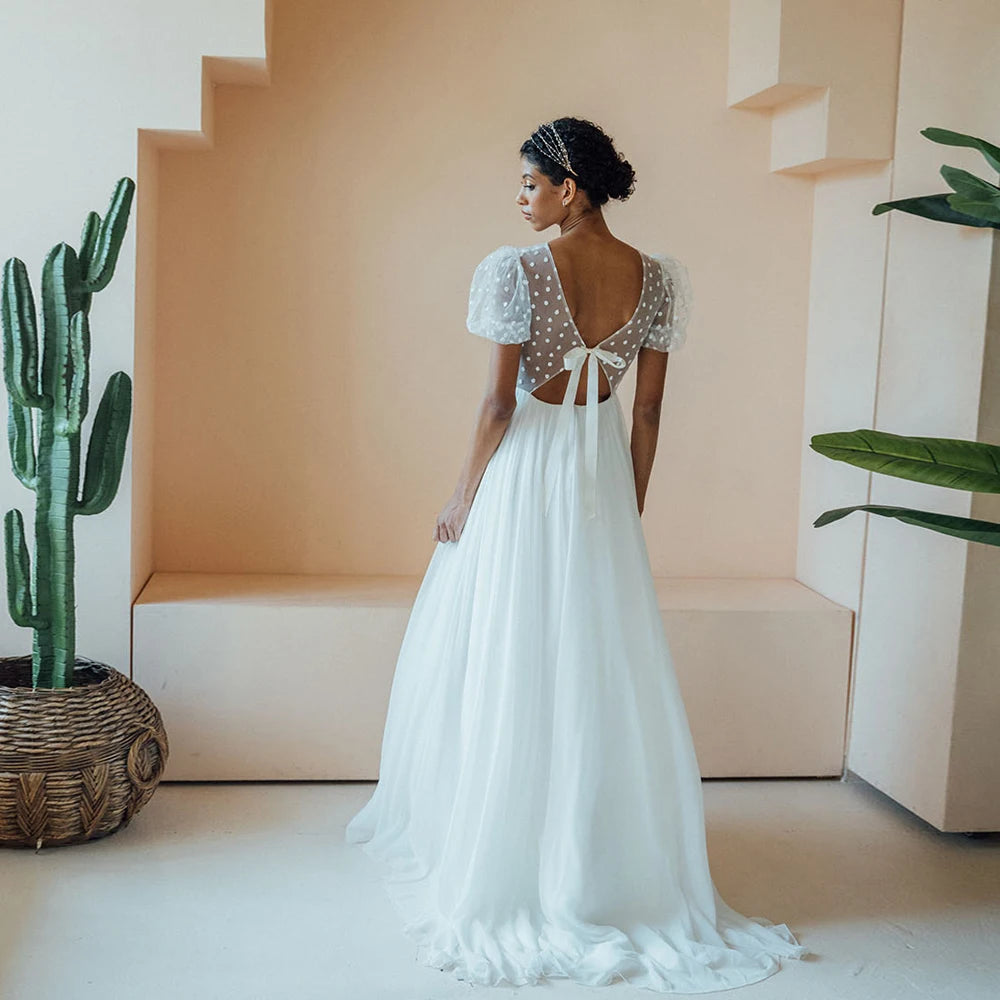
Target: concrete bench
point(286, 676)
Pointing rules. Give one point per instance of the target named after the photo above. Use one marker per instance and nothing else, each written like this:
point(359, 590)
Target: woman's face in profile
point(538, 198)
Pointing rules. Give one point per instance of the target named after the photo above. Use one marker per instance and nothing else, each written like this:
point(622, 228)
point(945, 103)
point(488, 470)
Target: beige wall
point(316, 386)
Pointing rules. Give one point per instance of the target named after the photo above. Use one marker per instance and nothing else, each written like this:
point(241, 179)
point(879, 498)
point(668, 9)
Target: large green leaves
point(975, 201)
point(951, 462)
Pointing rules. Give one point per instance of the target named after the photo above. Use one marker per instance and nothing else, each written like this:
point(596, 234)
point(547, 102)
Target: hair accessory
point(553, 146)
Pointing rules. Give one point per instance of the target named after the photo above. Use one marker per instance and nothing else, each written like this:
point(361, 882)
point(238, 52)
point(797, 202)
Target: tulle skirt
point(539, 806)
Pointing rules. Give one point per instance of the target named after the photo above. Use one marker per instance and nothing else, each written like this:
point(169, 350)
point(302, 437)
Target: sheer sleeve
point(499, 302)
point(668, 331)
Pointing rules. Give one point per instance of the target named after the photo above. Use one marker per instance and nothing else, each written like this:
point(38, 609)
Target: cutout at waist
point(545, 402)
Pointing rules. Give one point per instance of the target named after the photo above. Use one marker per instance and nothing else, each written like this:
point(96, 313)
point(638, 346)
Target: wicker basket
point(76, 763)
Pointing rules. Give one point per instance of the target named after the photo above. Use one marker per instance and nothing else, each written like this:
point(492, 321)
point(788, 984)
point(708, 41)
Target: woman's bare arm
point(651, 374)
point(494, 415)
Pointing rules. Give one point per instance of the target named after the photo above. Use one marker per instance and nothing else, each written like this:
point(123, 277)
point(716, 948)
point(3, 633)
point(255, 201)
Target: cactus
point(45, 450)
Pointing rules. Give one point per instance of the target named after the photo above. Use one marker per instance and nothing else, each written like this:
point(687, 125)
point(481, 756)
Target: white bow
point(574, 359)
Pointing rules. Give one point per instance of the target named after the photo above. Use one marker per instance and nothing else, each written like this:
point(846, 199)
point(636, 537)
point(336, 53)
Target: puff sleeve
point(668, 331)
point(499, 302)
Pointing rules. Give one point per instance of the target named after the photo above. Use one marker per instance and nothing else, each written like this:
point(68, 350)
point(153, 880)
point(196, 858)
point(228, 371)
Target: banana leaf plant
point(951, 462)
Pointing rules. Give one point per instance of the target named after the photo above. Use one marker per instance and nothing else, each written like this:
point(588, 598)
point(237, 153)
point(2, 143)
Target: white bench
point(286, 676)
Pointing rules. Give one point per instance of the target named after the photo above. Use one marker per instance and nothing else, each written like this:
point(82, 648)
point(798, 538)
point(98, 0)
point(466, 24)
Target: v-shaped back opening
point(569, 315)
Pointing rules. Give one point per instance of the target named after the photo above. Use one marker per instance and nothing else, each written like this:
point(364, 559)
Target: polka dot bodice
point(517, 297)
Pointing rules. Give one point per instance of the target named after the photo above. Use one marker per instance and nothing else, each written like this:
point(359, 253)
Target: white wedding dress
point(539, 805)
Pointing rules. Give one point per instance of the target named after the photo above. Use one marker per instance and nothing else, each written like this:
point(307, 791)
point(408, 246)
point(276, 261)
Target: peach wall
point(316, 387)
point(79, 80)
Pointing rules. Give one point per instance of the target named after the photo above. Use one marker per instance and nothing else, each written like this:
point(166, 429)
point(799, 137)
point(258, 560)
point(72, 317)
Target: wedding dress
point(539, 805)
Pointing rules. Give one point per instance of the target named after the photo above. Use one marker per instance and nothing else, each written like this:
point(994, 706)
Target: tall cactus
point(45, 453)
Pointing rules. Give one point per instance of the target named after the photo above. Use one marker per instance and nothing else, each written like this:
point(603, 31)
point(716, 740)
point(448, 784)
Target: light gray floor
point(248, 892)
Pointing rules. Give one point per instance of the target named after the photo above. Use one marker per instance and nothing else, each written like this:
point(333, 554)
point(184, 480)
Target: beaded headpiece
point(548, 139)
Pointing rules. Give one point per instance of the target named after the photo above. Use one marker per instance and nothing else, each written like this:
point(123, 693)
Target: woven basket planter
point(76, 763)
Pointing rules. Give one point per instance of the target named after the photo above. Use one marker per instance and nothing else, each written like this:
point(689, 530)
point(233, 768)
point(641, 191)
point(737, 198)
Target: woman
point(539, 807)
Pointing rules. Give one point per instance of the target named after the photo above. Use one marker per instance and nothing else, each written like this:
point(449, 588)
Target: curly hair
point(599, 168)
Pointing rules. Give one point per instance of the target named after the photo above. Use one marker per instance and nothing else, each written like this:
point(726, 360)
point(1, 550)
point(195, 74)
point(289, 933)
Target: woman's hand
point(452, 519)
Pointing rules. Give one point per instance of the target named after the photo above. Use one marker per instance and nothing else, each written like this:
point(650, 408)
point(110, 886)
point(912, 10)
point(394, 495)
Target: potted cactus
point(82, 747)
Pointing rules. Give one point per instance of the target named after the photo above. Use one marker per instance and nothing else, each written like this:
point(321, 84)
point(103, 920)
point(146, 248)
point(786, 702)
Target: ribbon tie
point(574, 360)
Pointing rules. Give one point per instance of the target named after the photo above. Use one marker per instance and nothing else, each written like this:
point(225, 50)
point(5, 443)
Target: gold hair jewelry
point(554, 148)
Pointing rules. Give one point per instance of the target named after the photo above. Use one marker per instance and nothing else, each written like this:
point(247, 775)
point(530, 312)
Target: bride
point(539, 805)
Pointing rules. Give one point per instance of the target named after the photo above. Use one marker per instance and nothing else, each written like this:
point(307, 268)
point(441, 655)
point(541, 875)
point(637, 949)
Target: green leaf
point(951, 462)
point(973, 195)
point(947, 524)
point(936, 207)
point(947, 137)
